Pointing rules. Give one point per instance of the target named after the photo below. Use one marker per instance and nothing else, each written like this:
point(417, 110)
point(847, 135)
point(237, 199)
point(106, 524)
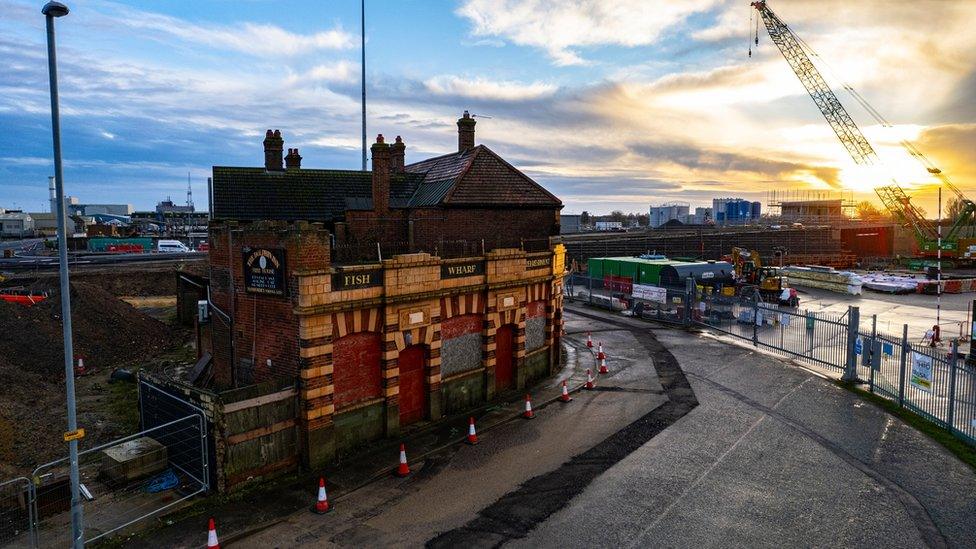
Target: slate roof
point(306, 194)
point(476, 177)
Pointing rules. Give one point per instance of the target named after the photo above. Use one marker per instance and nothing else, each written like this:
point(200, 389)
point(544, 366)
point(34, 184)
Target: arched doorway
point(413, 390)
point(504, 358)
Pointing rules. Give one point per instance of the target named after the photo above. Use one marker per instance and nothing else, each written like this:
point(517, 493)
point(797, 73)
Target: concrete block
point(133, 459)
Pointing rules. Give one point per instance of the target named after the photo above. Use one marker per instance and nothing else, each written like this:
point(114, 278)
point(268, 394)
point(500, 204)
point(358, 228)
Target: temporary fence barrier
point(934, 383)
point(122, 482)
point(16, 513)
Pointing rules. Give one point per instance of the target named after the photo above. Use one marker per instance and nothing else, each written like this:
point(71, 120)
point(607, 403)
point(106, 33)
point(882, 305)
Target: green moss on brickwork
point(536, 366)
point(356, 427)
point(463, 393)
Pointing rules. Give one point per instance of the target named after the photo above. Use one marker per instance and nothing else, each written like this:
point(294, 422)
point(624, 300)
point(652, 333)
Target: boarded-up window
point(461, 344)
point(535, 325)
point(356, 368)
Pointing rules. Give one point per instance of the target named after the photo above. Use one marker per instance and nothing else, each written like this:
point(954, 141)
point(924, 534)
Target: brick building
point(377, 344)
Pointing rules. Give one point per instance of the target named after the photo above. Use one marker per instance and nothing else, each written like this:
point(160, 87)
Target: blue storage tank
point(756, 210)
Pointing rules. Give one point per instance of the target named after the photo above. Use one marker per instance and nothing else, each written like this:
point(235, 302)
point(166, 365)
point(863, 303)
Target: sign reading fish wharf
point(533, 263)
point(457, 270)
point(264, 270)
point(351, 280)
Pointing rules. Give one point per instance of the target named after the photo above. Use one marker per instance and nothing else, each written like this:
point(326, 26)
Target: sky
point(609, 104)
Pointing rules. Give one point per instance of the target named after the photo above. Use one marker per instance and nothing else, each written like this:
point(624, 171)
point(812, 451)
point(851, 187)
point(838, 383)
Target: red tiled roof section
point(490, 180)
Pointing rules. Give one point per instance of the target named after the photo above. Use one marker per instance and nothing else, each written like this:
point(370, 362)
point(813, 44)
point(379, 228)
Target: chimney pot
point(381, 175)
point(273, 146)
point(465, 132)
point(398, 153)
point(293, 161)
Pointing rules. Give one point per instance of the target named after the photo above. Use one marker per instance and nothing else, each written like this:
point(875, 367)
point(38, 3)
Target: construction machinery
point(929, 237)
point(771, 284)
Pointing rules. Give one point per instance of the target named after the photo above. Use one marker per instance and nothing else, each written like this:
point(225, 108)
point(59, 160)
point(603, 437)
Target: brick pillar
point(520, 372)
point(391, 374)
point(316, 387)
point(434, 396)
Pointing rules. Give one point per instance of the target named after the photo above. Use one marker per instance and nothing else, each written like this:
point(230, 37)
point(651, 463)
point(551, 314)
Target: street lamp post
point(50, 11)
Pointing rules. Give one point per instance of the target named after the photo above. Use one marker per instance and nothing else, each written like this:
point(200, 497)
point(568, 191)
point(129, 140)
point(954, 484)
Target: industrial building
point(570, 223)
point(659, 215)
point(378, 342)
point(735, 211)
point(16, 225)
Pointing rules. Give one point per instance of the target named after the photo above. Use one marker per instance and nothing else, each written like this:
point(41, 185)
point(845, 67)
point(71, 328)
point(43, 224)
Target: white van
point(171, 246)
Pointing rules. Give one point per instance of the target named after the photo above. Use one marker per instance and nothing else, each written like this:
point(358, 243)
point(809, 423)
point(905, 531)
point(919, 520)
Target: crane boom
point(830, 106)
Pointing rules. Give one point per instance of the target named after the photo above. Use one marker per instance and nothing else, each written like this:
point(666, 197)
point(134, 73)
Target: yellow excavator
point(751, 276)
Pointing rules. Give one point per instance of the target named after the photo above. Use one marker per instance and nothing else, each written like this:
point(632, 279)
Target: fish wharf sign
point(457, 270)
point(533, 263)
point(353, 280)
point(264, 270)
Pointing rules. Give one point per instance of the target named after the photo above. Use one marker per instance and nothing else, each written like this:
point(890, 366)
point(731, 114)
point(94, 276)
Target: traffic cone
point(603, 366)
point(589, 340)
point(80, 368)
point(528, 408)
point(599, 352)
point(472, 435)
point(565, 396)
point(589, 379)
point(403, 469)
point(322, 503)
point(212, 542)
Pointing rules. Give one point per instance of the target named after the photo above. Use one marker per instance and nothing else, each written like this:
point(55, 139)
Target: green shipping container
point(639, 271)
point(101, 243)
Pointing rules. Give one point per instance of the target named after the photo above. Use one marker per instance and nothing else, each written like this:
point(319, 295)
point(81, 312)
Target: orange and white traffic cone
point(212, 542)
point(472, 435)
point(589, 340)
point(599, 353)
point(589, 379)
point(528, 408)
point(322, 503)
point(403, 469)
point(603, 366)
point(565, 396)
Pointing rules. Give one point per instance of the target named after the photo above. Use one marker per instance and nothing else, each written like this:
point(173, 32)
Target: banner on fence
point(922, 371)
point(650, 293)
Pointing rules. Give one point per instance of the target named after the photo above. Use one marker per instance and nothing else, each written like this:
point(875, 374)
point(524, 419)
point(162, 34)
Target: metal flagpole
point(362, 19)
point(50, 11)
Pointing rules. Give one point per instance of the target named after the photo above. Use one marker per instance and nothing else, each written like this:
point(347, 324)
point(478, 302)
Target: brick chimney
point(465, 132)
point(293, 161)
point(398, 153)
point(273, 146)
point(381, 175)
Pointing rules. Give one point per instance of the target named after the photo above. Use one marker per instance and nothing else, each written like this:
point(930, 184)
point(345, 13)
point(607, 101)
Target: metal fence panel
point(123, 482)
point(16, 513)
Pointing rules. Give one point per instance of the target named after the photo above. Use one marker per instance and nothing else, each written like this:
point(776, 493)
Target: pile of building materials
point(825, 278)
point(893, 284)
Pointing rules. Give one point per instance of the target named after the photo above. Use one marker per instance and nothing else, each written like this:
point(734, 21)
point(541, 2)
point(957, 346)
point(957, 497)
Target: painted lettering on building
point(357, 279)
point(264, 270)
point(538, 263)
point(458, 270)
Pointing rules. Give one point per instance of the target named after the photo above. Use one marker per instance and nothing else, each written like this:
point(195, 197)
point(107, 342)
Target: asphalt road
point(773, 455)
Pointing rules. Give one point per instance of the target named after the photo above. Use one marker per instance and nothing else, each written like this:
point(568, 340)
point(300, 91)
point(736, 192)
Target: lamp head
point(54, 9)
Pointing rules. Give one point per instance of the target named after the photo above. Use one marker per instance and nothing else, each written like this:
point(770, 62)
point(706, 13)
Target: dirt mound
point(106, 332)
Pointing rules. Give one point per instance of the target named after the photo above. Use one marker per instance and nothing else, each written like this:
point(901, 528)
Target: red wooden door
point(504, 370)
point(413, 394)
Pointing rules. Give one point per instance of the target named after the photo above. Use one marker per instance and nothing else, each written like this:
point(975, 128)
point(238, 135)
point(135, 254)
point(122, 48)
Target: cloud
point(257, 39)
point(483, 88)
point(340, 72)
point(562, 28)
